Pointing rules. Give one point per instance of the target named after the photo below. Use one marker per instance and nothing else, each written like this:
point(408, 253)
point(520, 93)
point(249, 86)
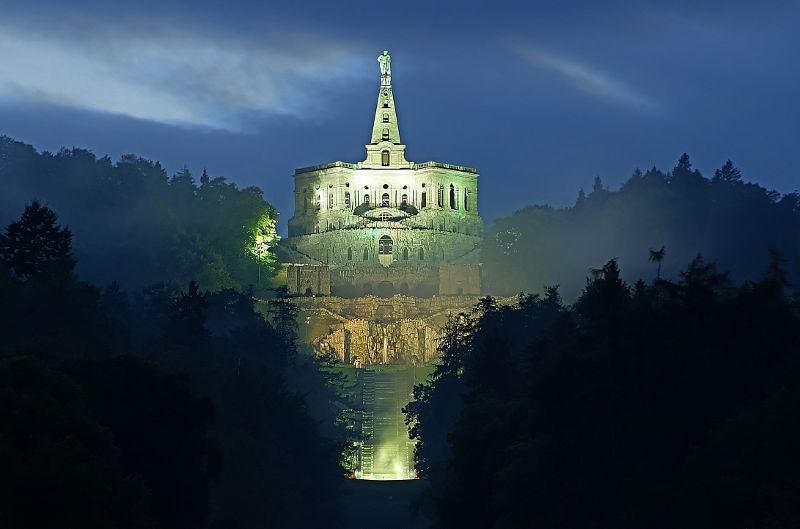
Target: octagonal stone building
point(384, 225)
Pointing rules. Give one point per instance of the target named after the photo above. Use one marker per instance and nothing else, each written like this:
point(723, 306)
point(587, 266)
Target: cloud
point(166, 73)
point(589, 80)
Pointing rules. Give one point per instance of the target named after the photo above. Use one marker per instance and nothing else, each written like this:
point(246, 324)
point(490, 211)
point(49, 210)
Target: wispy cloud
point(167, 73)
point(587, 79)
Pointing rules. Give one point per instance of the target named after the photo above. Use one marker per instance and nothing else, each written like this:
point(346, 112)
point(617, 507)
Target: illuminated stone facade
point(386, 225)
point(380, 254)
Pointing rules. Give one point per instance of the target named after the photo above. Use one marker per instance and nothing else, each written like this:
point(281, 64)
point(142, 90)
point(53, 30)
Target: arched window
point(330, 200)
point(349, 254)
point(386, 117)
point(385, 103)
point(452, 197)
point(466, 199)
point(305, 204)
point(405, 254)
point(421, 254)
point(404, 200)
point(385, 245)
point(424, 201)
point(347, 199)
point(319, 199)
point(385, 158)
point(385, 135)
point(366, 199)
point(385, 200)
point(366, 255)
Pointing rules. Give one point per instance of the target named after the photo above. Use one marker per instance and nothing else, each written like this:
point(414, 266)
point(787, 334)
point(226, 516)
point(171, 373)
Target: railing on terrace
point(347, 165)
point(441, 165)
point(423, 165)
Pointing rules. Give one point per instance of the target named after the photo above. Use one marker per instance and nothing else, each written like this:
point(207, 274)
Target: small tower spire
point(385, 130)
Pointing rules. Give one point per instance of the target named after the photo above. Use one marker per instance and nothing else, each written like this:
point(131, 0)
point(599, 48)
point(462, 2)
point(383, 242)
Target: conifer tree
point(36, 246)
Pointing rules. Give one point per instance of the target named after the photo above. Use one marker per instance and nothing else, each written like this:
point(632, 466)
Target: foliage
point(727, 219)
point(35, 246)
point(61, 467)
point(199, 426)
point(672, 404)
point(134, 224)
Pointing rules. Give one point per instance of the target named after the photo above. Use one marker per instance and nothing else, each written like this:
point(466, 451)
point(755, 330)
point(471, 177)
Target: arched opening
point(466, 199)
point(319, 200)
point(305, 204)
point(440, 196)
point(386, 117)
point(366, 199)
point(452, 197)
point(404, 200)
point(424, 201)
point(405, 254)
point(385, 200)
point(347, 199)
point(330, 200)
point(385, 135)
point(385, 158)
point(421, 254)
point(385, 289)
point(366, 255)
point(349, 254)
point(385, 244)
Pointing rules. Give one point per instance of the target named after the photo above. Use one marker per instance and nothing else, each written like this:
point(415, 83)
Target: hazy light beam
point(587, 79)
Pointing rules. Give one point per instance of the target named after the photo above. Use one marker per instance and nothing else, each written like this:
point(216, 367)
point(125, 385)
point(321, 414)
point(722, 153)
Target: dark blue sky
point(539, 96)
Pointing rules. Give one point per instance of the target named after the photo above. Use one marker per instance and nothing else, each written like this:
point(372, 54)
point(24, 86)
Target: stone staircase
point(367, 380)
point(386, 453)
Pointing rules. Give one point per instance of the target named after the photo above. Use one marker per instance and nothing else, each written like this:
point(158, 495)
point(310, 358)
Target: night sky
point(541, 97)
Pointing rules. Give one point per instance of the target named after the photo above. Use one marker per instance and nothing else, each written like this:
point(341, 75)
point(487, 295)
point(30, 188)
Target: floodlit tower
point(385, 225)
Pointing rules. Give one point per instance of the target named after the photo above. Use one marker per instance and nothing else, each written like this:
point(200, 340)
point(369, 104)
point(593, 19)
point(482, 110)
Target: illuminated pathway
point(387, 452)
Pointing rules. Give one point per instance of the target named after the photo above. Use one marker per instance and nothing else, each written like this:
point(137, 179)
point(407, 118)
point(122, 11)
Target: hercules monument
point(380, 253)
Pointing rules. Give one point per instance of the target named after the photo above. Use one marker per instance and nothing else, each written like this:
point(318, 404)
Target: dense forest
point(136, 225)
point(725, 218)
point(160, 408)
point(661, 404)
point(175, 394)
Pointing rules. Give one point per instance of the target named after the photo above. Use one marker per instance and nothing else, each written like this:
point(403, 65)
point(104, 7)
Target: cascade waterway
point(387, 452)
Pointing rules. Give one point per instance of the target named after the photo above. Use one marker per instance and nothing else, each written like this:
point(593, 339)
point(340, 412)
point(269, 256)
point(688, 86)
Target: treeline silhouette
point(725, 218)
point(663, 404)
point(136, 225)
point(164, 408)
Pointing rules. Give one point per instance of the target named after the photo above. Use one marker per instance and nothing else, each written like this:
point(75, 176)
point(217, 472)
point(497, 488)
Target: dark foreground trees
point(673, 404)
point(171, 411)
